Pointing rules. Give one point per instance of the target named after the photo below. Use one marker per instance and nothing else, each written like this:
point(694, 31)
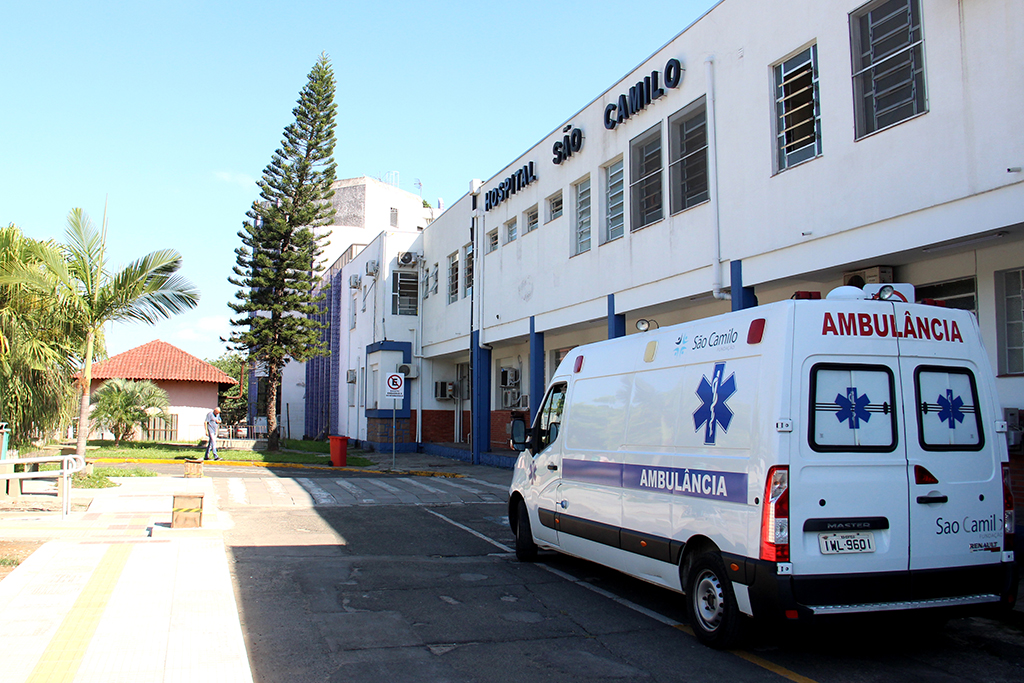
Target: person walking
point(212, 423)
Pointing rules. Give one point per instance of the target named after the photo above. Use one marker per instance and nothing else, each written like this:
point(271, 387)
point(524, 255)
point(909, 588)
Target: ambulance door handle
point(552, 466)
point(924, 500)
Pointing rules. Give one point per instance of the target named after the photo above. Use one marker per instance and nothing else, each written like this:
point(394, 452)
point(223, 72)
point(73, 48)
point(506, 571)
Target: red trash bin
point(339, 450)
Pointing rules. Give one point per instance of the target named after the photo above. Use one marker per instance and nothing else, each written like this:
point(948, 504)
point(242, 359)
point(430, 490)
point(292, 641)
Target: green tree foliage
point(233, 401)
point(123, 404)
point(77, 280)
point(278, 262)
point(36, 347)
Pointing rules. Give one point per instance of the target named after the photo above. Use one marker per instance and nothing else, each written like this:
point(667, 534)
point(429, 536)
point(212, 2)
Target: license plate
point(851, 542)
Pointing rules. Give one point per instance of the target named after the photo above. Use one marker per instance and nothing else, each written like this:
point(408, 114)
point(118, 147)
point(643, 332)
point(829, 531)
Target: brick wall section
point(378, 429)
point(438, 426)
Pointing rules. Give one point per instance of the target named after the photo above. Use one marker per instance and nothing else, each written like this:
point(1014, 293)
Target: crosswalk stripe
point(356, 491)
point(384, 485)
point(448, 482)
point(425, 487)
point(236, 491)
point(320, 497)
point(481, 482)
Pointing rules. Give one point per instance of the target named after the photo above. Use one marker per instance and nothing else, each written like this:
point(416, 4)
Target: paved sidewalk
point(118, 595)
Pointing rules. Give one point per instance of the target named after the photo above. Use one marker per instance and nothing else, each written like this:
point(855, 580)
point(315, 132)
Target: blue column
point(536, 369)
point(742, 297)
point(616, 321)
point(480, 403)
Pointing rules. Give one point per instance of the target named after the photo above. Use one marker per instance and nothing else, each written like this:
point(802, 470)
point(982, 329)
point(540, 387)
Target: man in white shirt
point(212, 423)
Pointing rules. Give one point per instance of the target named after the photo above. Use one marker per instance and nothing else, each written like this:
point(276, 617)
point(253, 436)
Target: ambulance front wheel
point(711, 604)
point(526, 549)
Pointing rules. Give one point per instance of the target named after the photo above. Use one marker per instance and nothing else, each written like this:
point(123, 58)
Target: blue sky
point(168, 112)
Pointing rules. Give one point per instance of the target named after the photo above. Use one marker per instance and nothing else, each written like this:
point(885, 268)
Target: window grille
point(797, 110)
point(615, 201)
point(510, 231)
point(688, 170)
point(555, 207)
point(532, 220)
point(645, 179)
point(453, 278)
point(404, 293)
point(582, 192)
point(888, 64)
point(470, 264)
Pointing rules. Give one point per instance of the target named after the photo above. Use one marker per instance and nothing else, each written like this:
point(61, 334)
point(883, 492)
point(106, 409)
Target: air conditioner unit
point(410, 370)
point(509, 377)
point(354, 281)
point(408, 259)
point(371, 268)
point(870, 276)
point(350, 376)
point(444, 390)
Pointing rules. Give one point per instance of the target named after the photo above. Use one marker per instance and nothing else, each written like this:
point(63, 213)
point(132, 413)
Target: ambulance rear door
point(848, 476)
point(956, 509)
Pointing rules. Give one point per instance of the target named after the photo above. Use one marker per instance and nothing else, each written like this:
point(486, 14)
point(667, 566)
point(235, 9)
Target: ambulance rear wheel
point(711, 604)
point(526, 549)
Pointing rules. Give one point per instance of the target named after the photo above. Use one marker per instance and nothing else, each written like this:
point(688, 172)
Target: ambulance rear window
point(948, 417)
point(852, 408)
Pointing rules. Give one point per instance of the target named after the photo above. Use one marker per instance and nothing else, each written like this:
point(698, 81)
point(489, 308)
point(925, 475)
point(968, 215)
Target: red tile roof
point(158, 360)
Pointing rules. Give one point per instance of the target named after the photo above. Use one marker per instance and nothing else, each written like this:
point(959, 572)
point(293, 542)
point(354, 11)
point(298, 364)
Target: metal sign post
point(394, 388)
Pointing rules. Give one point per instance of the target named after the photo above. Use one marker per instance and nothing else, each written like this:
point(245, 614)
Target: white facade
point(927, 182)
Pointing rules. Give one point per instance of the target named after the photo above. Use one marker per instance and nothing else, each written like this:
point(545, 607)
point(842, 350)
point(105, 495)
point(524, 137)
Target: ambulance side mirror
point(518, 440)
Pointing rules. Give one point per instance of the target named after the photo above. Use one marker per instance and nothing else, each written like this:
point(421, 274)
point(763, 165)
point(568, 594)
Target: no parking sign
point(394, 386)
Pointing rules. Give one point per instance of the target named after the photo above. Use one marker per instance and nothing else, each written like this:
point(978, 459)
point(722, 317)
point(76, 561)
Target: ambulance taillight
point(1008, 516)
point(775, 516)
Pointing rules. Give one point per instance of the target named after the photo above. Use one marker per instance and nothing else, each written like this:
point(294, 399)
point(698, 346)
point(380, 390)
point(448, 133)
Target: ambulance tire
point(526, 549)
point(710, 603)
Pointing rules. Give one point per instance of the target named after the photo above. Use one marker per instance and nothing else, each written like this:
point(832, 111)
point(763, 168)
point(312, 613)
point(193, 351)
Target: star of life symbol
point(713, 412)
point(532, 472)
point(853, 408)
point(950, 408)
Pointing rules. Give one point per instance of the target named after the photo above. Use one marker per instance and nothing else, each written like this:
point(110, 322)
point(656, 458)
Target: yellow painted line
point(760, 661)
point(64, 654)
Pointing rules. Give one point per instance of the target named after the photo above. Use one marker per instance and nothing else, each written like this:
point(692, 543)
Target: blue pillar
point(616, 321)
point(536, 369)
point(742, 297)
point(480, 403)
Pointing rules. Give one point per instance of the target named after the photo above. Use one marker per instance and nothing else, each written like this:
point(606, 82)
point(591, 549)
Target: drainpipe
point(716, 266)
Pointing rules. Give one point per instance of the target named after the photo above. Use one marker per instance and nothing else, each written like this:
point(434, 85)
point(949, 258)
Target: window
point(549, 417)
point(947, 409)
point(510, 231)
point(797, 110)
point(492, 240)
point(852, 408)
point(615, 196)
point(888, 64)
point(352, 312)
point(470, 258)
point(433, 279)
point(688, 163)
point(581, 194)
point(960, 294)
point(554, 206)
point(645, 178)
point(453, 278)
point(532, 219)
point(394, 217)
point(404, 293)
point(1010, 294)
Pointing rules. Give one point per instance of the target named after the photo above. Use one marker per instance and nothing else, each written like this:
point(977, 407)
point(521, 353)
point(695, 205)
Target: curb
point(286, 465)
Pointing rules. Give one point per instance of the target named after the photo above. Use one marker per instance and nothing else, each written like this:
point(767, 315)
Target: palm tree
point(121, 404)
point(36, 347)
point(81, 285)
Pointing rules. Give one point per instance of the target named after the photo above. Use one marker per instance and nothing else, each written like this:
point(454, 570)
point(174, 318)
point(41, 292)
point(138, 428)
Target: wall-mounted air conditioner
point(354, 281)
point(410, 370)
point(408, 259)
point(372, 268)
point(350, 376)
point(444, 390)
point(509, 377)
point(870, 276)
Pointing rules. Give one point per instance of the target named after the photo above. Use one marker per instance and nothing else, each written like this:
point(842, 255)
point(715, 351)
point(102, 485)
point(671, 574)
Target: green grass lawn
point(312, 453)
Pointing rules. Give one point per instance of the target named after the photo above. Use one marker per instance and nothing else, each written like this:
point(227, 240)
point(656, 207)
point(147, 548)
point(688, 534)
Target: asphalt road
point(421, 586)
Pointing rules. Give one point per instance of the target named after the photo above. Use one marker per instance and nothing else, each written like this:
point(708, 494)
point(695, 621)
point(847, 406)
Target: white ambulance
point(797, 459)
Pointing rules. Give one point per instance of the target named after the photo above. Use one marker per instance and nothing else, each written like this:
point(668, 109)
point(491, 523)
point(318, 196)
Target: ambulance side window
point(852, 408)
point(549, 419)
point(948, 413)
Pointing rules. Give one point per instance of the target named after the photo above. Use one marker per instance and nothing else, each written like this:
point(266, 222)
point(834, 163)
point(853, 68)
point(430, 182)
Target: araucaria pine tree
point(279, 260)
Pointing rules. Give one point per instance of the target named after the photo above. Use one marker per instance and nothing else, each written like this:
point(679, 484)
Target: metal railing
point(69, 464)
